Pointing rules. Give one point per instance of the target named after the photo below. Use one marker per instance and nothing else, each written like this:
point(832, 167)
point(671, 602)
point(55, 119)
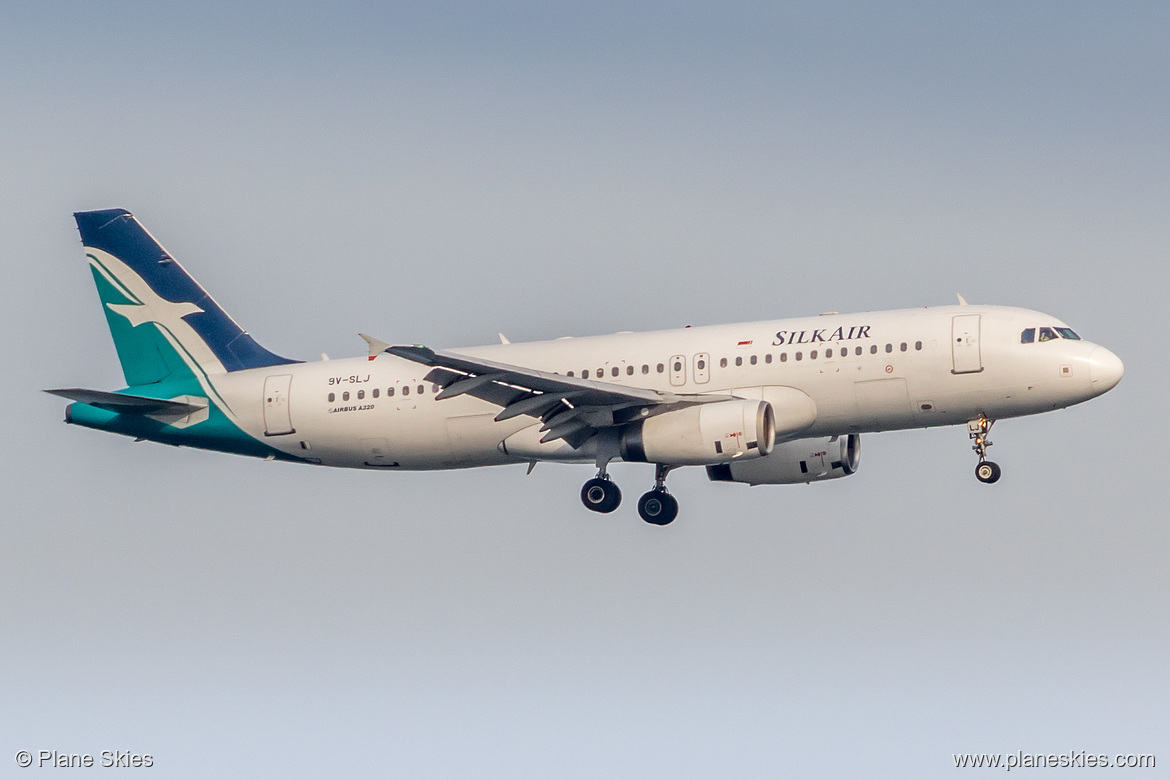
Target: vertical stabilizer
point(162, 321)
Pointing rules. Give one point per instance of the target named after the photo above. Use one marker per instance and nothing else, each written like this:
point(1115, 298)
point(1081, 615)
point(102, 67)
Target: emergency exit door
point(277, 420)
point(702, 373)
point(965, 352)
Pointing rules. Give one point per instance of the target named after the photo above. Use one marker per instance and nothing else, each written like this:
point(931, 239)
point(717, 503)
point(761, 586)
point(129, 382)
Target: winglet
point(503, 338)
point(377, 347)
point(962, 300)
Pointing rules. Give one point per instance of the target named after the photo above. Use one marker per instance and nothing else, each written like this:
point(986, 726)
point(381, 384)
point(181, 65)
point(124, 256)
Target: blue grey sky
point(439, 172)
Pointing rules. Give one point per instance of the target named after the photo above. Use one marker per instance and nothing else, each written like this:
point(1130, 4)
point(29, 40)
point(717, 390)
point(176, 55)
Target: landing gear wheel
point(987, 472)
point(601, 495)
point(658, 507)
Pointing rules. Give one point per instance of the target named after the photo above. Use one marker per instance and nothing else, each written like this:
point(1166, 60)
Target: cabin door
point(277, 420)
point(965, 344)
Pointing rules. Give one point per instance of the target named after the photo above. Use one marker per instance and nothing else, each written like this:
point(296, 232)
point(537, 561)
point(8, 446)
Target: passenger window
point(406, 389)
point(629, 370)
point(702, 364)
point(723, 362)
point(889, 347)
point(783, 357)
point(332, 397)
point(918, 345)
point(677, 366)
point(661, 368)
point(434, 388)
point(739, 361)
point(1028, 336)
point(812, 355)
point(798, 356)
point(421, 389)
point(873, 349)
point(569, 374)
point(585, 374)
point(1068, 334)
point(374, 392)
point(1047, 334)
point(361, 394)
point(615, 371)
point(903, 347)
point(752, 360)
point(345, 396)
point(601, 373)
point(389, 392)
point(828, 353)
point(857, 352)
point(645, 369)
point(768, 358)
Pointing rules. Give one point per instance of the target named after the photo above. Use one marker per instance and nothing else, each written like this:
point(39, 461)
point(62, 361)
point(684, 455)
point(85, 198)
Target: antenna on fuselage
point(962, 300)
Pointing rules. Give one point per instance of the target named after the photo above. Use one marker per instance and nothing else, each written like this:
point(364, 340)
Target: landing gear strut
point(600, 494)
point(658, 506)
point(985, 471)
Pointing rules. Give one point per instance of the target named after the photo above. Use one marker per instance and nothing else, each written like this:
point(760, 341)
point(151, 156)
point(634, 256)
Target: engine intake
point(699, 435)
point(794, 462)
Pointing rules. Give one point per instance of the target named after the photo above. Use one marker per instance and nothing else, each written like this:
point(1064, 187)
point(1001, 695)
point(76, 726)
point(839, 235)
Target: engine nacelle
point(793, 462)
point(698, 435)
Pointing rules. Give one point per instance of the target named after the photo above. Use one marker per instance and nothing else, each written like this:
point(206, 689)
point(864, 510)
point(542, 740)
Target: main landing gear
point(657, 506)
point(985, 471)
point(600, 494)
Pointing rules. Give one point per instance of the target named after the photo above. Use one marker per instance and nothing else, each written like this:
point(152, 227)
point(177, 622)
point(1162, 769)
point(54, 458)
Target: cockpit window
point(1048, 334)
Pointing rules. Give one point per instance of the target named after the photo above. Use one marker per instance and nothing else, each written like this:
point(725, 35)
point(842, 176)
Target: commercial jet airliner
point(759, 403)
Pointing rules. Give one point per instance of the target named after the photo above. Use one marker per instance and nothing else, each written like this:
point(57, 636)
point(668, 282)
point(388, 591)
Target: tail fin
point(162, 321)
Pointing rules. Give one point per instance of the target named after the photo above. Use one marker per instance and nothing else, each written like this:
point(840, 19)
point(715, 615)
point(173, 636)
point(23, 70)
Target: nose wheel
point(986, 471)
point(658, 506)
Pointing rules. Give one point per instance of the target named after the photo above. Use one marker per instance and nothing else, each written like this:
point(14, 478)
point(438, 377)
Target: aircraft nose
point(1105, 370)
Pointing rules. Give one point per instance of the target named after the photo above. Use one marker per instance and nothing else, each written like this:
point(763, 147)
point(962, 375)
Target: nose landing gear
point(657, 506)
point(985, 471)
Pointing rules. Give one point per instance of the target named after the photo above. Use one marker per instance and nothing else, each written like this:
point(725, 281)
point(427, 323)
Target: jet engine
point(793, 462)
point(698, 435)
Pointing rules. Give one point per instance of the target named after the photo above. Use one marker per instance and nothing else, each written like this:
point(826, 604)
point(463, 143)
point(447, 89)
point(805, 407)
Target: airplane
point(757, 403)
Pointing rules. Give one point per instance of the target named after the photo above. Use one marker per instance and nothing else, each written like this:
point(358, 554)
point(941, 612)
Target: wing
point(572, 409)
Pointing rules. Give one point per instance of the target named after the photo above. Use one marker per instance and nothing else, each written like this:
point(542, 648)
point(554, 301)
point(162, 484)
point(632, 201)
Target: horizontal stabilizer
point(127, 404)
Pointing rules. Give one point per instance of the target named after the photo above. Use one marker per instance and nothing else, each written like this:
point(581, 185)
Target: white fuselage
point(865, 372)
